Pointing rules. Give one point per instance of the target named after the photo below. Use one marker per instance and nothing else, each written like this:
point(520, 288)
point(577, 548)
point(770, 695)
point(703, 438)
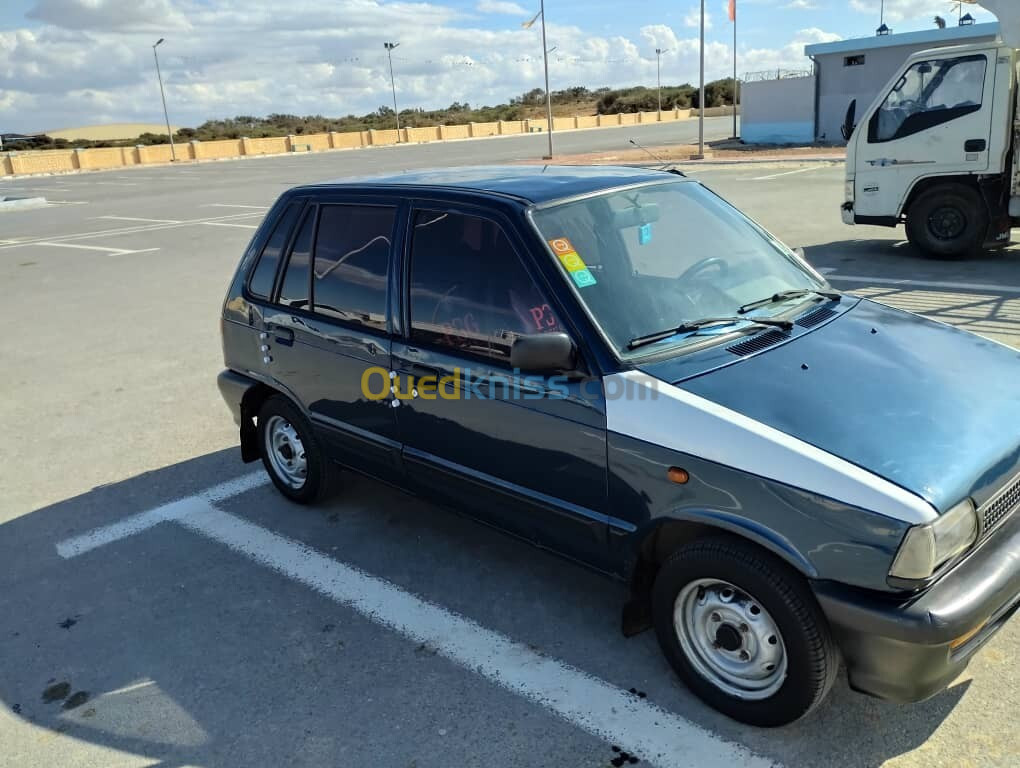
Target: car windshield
point(648, 259)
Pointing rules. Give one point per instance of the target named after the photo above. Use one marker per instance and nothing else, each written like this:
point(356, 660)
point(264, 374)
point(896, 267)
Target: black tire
point(317, 469)
point(948, 222)
point(811, 657)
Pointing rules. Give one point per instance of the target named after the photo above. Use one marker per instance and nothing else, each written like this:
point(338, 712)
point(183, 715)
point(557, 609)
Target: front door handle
point(975, 145)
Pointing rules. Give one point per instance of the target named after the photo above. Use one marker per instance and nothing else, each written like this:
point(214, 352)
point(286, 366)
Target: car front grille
point(1000, 507)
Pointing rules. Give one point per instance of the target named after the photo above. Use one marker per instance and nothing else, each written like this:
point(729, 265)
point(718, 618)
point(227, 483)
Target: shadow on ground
point(167, 647)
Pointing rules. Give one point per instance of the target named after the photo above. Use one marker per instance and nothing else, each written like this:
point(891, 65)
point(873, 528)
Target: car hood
point(931, 408)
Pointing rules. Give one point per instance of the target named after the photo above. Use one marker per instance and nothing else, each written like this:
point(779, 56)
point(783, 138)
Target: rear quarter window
point(263, 276)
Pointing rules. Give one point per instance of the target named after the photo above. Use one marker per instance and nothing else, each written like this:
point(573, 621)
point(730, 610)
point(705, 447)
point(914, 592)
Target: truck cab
point(936, 150)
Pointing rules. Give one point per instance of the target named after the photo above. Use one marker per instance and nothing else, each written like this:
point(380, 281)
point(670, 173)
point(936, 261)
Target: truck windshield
point(660, 256)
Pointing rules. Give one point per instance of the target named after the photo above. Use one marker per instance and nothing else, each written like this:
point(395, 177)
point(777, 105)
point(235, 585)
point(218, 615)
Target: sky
point(68, 63)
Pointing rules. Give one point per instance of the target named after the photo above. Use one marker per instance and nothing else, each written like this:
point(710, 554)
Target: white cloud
point(801, 5)
point(320, 59)
point(501, 6)
point(130, 15)
point(900, 10)
point(693, 19)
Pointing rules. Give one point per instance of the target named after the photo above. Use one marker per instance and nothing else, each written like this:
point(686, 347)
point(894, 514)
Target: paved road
point(205, 633)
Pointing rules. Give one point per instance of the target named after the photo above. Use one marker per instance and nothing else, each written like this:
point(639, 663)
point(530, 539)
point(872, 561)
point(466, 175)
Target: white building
point(812, 107)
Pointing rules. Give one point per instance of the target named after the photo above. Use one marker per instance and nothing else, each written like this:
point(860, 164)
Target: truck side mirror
point(850, 121)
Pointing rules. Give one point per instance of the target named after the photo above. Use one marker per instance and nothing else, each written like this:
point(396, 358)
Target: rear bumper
point(901, 648)
point(233, 387)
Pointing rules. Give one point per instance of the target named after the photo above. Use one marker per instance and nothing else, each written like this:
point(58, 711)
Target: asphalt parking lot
point(161, 606)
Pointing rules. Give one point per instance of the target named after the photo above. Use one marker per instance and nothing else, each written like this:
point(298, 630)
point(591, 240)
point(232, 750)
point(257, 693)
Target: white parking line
point(233, 205)
point(786, 173)
point(660, 737)
point(134, 218)
point(118, 251)
point(952, 286)
point(225, 224)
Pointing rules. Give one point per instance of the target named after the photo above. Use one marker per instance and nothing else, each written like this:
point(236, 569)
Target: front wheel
point(743, 631)
point(948, 222)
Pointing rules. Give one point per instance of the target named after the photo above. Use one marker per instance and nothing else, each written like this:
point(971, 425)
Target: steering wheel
point(695, 271)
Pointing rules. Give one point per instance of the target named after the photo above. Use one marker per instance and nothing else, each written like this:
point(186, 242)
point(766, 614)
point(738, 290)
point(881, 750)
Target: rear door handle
point(282, 335)
point(975, 145)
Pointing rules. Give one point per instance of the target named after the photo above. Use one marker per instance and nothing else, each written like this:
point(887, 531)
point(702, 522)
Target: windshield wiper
point(786, 296)
point(697, 325)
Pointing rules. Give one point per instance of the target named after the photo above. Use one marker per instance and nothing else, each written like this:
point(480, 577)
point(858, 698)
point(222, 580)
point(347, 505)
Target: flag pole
point(701, 91)
point(735, 134)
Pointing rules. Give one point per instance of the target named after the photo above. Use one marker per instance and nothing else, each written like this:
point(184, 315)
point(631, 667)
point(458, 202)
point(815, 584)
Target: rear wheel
point(290, 452)
point(948, 222)
point(743, 631)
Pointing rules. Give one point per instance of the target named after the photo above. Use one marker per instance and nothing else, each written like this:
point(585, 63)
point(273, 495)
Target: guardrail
point(69, 160)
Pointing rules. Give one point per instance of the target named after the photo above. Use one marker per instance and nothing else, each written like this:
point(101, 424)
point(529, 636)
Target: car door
point(526, 453)
point(937, 117)
point(330, 328)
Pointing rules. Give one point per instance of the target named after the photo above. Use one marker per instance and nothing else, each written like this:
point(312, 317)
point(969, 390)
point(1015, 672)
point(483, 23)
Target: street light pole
point(548, 94)
point(658, 76)
point(393, 84)
point(162, 95)
point(701, 93)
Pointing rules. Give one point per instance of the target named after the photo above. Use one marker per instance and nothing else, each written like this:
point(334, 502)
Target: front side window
point(469, 290)
point(657, 257)
point(352, 255)
point(930, 93)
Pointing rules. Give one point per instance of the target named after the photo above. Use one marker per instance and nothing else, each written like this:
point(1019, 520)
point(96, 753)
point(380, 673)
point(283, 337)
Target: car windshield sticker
point(583, 278)
point(572, 262)
point(645, 234)
point(561, 245)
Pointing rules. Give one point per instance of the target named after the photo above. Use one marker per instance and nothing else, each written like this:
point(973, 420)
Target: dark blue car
point(618, 366)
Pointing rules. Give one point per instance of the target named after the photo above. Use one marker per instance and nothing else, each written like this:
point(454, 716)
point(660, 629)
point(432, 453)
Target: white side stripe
point(679, 420)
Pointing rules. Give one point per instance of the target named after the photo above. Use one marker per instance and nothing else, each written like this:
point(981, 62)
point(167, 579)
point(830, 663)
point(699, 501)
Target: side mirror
point(543, 353)
point(850, 121)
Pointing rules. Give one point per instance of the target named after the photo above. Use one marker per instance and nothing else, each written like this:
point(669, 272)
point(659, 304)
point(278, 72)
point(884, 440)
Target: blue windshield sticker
point(645, 234)
point(583, 278)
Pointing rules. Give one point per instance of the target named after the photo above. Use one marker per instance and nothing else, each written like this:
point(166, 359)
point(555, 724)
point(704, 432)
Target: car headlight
point(926, 547)
point(848, 191)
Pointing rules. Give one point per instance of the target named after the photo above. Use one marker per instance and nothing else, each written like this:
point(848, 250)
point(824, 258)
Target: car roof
point(529, 183)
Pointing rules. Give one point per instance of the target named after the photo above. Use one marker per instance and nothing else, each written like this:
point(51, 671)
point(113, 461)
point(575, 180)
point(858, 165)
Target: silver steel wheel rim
point(730, 639)
point(286, 452)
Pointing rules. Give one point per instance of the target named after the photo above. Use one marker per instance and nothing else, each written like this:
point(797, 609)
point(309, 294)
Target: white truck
point(938, 150)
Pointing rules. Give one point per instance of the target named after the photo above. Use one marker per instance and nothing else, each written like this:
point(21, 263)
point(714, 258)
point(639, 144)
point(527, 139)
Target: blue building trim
point(778, 133)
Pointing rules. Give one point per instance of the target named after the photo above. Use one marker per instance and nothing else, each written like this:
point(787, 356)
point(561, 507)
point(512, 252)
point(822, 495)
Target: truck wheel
point(948, 222)
point(290, 453)
point(743, 631)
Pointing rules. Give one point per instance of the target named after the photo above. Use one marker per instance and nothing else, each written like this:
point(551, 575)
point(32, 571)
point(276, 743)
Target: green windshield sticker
point(583, 278)
point(645, 234)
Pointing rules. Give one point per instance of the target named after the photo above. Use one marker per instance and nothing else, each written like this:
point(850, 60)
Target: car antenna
point(655, 157)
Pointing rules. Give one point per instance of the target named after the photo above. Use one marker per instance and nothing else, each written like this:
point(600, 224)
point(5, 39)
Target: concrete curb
point(21, 203)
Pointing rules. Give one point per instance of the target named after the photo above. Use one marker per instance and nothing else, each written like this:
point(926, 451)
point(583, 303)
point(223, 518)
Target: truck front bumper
point(908, 648)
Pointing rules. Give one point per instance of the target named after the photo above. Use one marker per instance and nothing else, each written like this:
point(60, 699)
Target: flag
point(529, 24)
point(733, 10)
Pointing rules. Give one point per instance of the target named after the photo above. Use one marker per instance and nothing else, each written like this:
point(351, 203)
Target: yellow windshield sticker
point(572, 261)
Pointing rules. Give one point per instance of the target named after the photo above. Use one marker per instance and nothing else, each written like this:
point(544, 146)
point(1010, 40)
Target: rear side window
point(469, 291)
point(264, 274)
point(352, 256)
point(297, 280)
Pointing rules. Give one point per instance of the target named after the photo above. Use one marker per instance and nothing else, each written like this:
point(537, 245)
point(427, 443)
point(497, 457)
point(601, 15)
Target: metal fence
point(775, 74)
